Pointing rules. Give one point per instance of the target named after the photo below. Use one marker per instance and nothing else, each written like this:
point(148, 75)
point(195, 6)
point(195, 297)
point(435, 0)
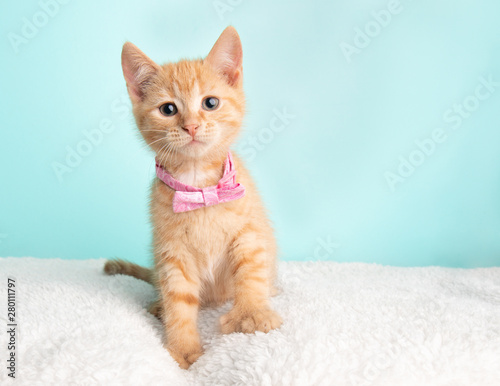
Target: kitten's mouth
point(195, 147)
point(195, 142)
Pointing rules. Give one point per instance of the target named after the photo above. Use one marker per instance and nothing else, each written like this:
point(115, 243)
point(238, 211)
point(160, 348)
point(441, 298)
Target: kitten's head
point(189, 109)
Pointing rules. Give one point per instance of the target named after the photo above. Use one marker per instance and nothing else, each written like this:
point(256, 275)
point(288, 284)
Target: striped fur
point(213, 254)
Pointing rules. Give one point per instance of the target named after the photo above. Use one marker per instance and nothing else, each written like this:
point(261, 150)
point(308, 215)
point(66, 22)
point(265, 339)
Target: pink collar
point(188, 197)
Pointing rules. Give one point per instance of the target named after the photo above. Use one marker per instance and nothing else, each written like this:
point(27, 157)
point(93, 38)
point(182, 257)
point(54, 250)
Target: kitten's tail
point(113, 267)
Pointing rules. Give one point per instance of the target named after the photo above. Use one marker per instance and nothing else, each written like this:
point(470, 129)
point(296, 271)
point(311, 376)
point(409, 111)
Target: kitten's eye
point(168, 109)
point(210, 103)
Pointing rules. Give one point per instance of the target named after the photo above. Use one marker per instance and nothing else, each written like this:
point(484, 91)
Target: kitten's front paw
point(185, 357)
point(248, 321)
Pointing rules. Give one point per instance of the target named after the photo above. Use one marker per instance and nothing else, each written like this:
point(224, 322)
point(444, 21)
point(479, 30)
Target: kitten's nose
point(191, 129)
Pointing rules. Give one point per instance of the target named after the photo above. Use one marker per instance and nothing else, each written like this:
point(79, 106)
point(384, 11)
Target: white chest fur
point(196, 177)
point(211, 268)
point(192, 177)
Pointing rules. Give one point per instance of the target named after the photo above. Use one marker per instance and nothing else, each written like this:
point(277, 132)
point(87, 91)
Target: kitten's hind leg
point(156, 309)
point(113, 267)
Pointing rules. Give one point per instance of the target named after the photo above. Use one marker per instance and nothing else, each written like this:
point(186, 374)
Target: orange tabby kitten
point(189, 113)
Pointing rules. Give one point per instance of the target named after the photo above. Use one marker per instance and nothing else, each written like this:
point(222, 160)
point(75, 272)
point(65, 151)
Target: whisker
point(155, 131)
point(170, 154)
point(161, 155)
point(152, 143)
point(167, 156)
point(157, 140)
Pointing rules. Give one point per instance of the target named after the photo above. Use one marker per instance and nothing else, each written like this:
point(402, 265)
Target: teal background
point(323, 176)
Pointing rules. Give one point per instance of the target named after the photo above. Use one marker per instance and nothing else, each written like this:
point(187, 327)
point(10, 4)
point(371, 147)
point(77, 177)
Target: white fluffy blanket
point(344, 324)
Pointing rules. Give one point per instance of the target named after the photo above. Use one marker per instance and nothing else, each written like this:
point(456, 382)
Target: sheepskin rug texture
point(344, 324)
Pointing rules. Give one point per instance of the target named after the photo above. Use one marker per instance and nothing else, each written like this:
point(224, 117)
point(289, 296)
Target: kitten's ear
point(226, 56)
point(138, 70)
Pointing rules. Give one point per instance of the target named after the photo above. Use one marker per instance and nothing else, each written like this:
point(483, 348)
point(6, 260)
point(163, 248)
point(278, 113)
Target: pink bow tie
point(188, 197)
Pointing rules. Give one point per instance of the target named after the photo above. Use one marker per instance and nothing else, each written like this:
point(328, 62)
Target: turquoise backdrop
point(373, 127)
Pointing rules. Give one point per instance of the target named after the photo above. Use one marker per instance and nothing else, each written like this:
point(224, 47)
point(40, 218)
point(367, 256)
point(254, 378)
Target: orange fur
point(213, 254)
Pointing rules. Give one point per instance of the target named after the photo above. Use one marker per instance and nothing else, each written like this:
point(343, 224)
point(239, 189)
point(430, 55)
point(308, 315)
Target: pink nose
point(191, 129)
